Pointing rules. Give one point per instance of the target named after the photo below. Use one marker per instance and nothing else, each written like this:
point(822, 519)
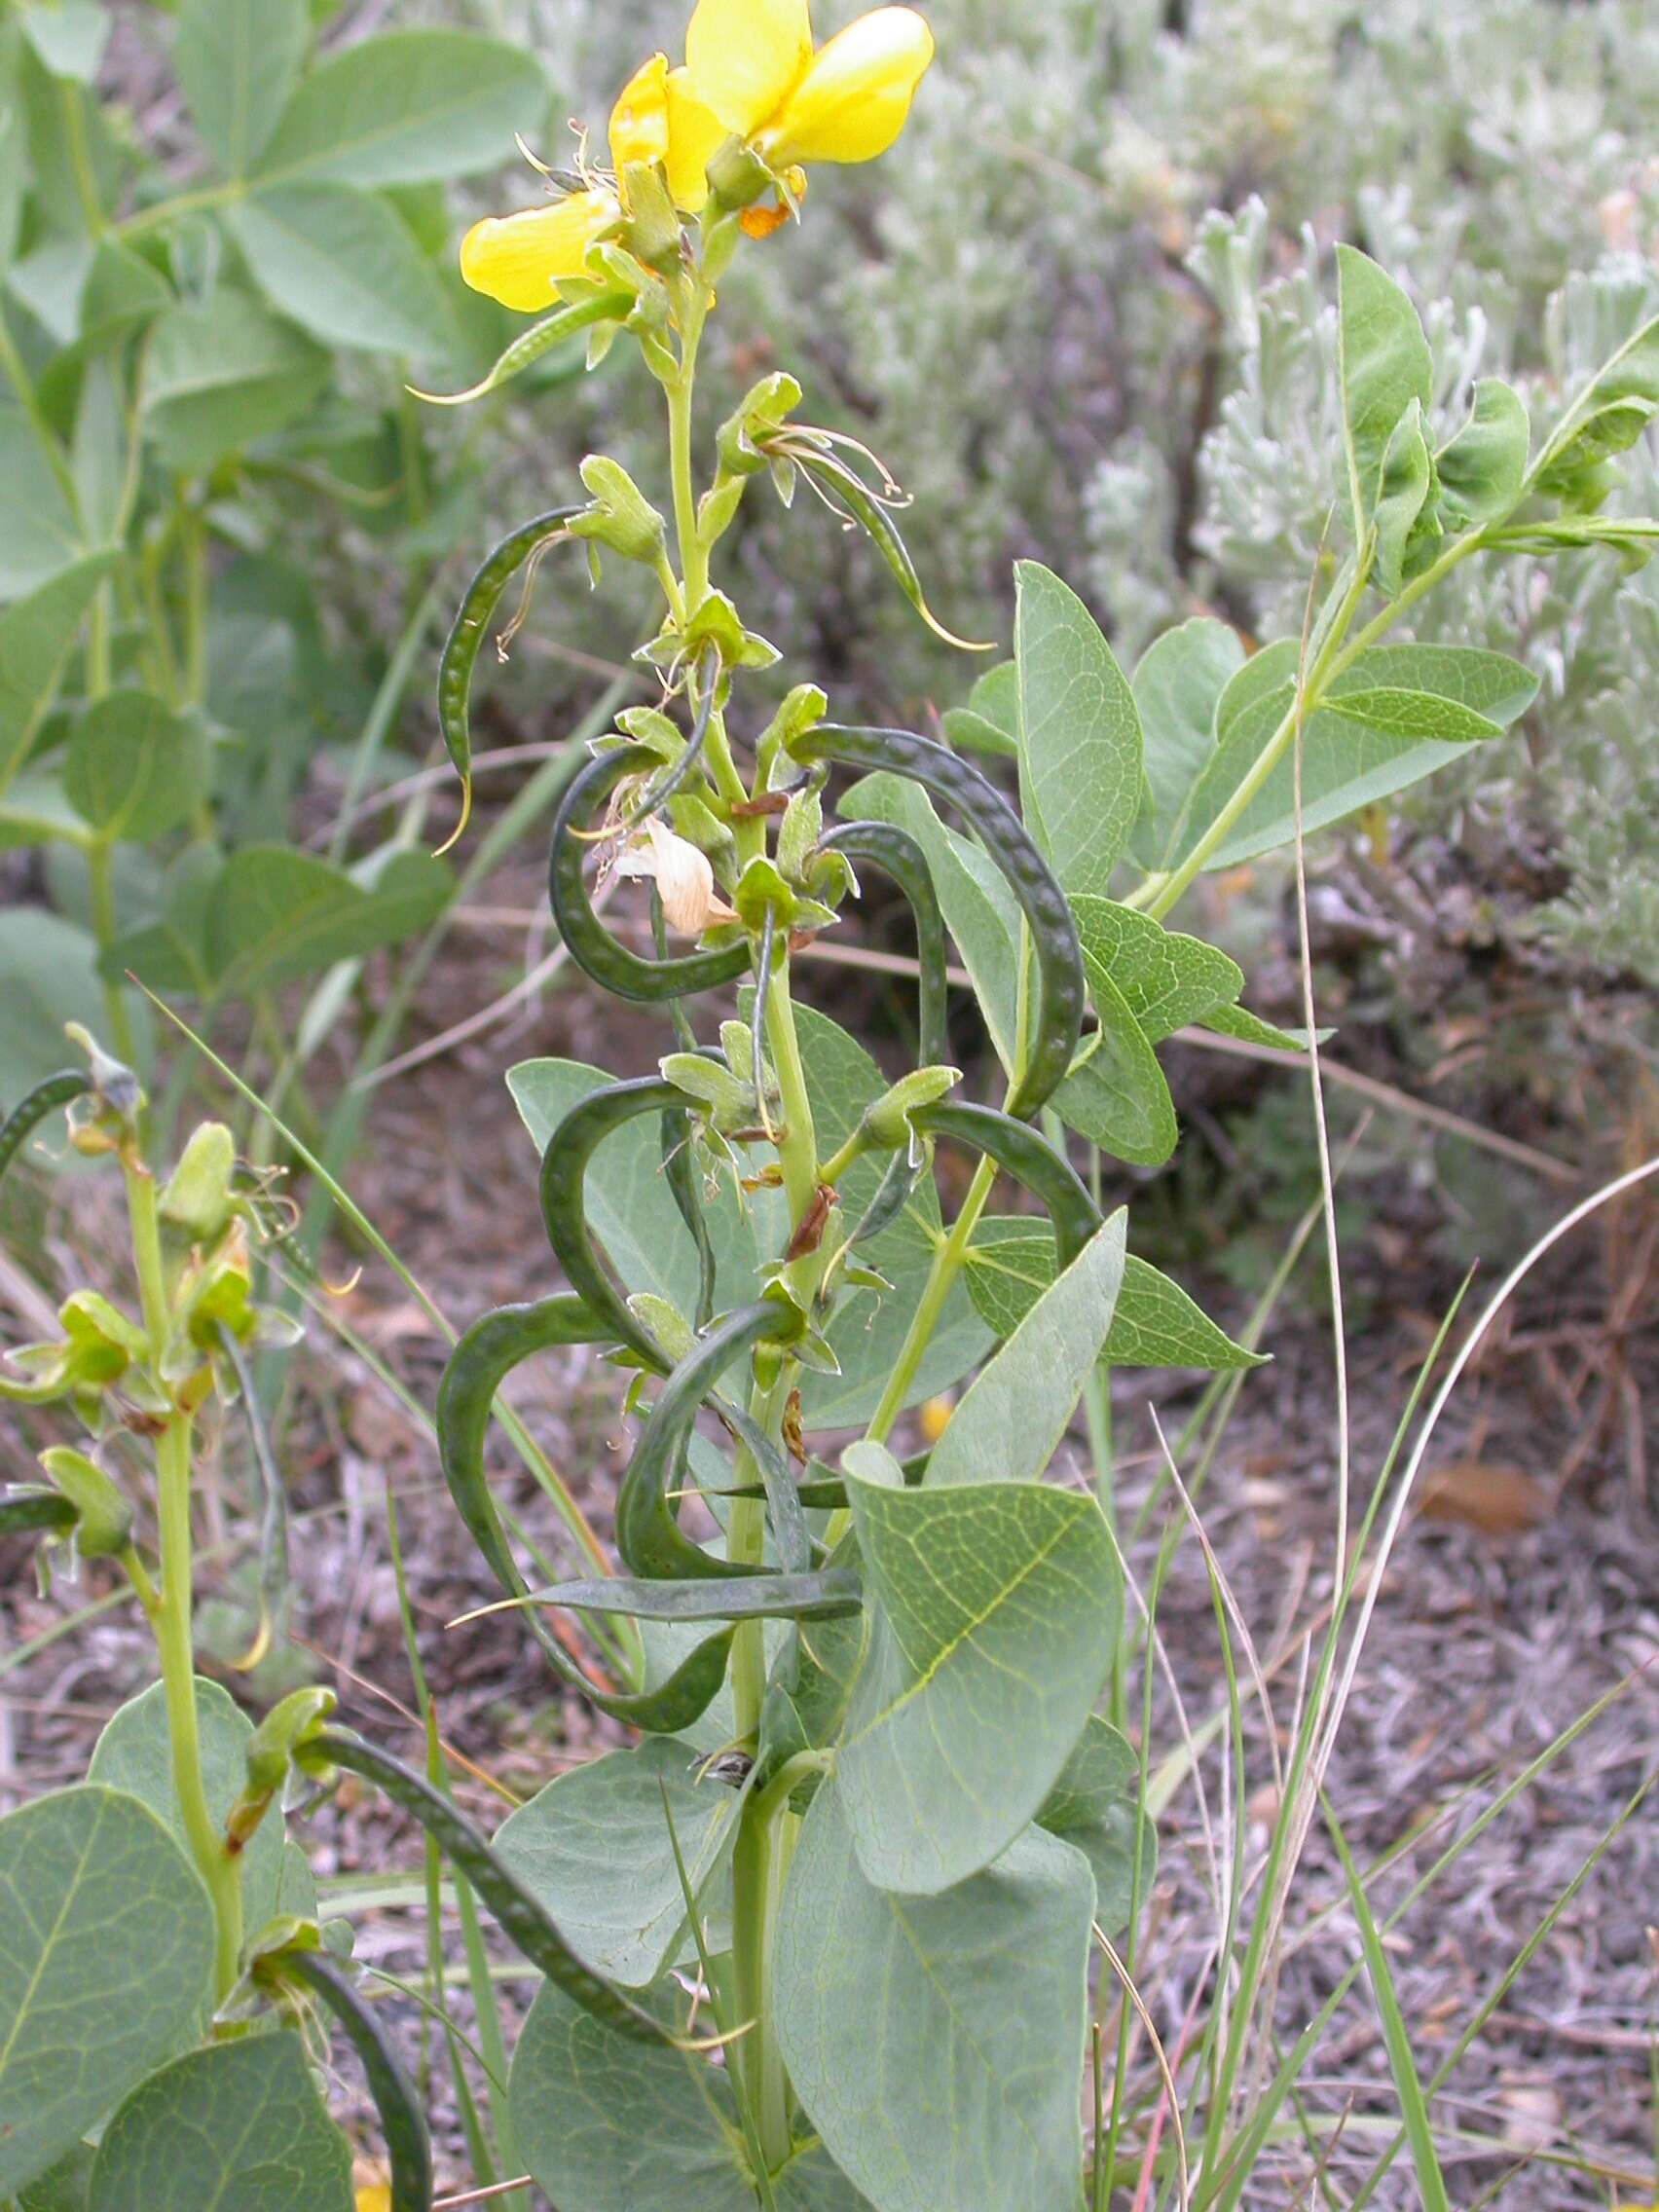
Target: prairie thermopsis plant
point(822, 1939)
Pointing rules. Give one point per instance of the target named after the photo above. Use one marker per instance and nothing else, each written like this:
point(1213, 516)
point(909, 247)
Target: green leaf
point(409, 107)
point(35, 811)
point(1177, 683)
point(39, 536)
point(610, 2124)
point(238, 2127)
point(69, 36)
point(594, 1849)
point(1405, 502)
point(106, 1954)
point(1165, 980)
point(1081, 772)
point(937, 2042)
point(134, 1754)
point(1011, 1263)
point(1239, 1022)
point(1095, 1806)
point(220, 376)
point(237, 61)
point(1355, 749)
point(980, 910)
point(1482, 468)
point(990, 721)
point(275, 913)
point(1606, 415)
point(1017, 1410)
point(994, 1616)
point(1385, 363)
point(48, 977)
point(344, 265)
point(64, 2188)
point(36, 635)
point(1116, 1095)
point(135, 769)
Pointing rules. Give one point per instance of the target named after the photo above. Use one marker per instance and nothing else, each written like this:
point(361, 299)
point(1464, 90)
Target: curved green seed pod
point(564, 1209)
point(540, 338)
point(647, 1534)
point(1054, 943)
point(681, 1179)
point(27, 1512)
point(32, 1109)
point(481, 1361)
point(897, 854)
point(591, 946)
point(402, 2121)
point(465, 640)
point(823, 1597)
point(1031, 1160)
point(520, 1917)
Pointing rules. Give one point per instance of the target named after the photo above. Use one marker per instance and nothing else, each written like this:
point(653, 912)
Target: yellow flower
point(521, 260)
point(752, 63)
point(374, 2200)
point(659, 118)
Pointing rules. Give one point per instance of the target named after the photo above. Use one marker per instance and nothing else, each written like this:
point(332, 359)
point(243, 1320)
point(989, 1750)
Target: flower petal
point(521, 259)
point(638, 122)
point(854, 100)
point(746, 56)
point(695, 134)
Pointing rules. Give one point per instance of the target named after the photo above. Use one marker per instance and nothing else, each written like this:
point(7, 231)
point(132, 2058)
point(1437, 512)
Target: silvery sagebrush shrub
point(822, 1937)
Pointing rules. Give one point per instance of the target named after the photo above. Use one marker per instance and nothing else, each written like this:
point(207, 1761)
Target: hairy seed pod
point(465, 640)
point(564, 1203)
point(1054, 943)
point(523, 1920)
point(897, 854)
point(648, 1535)
point(591, 946)
point(402, 2121)
point(34, 1106)
point(480, 1363)
point(1030, 1159)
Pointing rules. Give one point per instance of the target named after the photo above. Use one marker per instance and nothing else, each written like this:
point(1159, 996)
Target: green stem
point(948, 1262)
point(100, 884)
point(80, 160)
point(1159, 893)
point(766, 1844)
point(797, 1141)
point(693, 553)
point(171, 1614)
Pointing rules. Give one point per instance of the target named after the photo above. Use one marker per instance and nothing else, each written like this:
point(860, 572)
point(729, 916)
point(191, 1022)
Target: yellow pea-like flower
point(521, 260)
point(659, 118)
point(753, 64)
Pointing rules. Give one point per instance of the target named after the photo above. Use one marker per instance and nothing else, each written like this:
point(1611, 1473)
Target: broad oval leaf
point(937, 2042)
point(1082, 775)
point(1349, 758)
point(1116, 1095)
point(106, 1956)
point(410, 107)
point(344, 265)
point(135, 769)
point(221, 375)
point(994, 1614)
point(275, 913)
point(1165, 980)
point(134, 1754)
point(1385, 365)
point(1011, 1263)
point(236, 2127)
point(611, 2124)
point(36, 634)
point(237, 61)
point(1009, 1424)
point(1095, 1807)
point(1482, 468)
point(595, 1849)
point(1177, 683)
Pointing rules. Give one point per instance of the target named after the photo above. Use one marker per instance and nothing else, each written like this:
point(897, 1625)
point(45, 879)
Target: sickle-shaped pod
point(897, 854)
